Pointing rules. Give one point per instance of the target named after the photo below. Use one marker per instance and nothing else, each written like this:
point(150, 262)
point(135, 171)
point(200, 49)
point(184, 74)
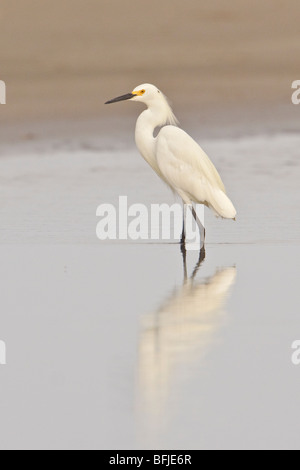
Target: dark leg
point(182, 245)
point(200, 226)
point(183, 229)
point(183, 252)
point(200, 261)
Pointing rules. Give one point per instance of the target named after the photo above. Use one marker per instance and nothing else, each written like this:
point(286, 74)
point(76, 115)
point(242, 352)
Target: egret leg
point(187, 202)
point(200, 226)
point(201, 259)
point(183, 229)
point(199, 263)
point(182, 245)
point(183, 252)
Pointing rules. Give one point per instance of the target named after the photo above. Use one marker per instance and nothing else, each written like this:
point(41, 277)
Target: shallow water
point(49, 193)
point(108, 347)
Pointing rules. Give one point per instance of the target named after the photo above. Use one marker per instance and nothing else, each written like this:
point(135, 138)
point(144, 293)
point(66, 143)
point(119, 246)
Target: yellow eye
point(139, 92)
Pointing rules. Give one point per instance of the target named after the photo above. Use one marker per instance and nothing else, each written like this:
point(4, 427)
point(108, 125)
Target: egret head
point(143, 93)
point(152, 97)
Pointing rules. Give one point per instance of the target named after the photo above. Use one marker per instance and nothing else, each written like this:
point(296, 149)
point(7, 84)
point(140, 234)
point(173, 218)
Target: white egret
point(177, 159)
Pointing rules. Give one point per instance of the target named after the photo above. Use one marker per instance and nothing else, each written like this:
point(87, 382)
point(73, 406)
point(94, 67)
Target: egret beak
point(128, 96)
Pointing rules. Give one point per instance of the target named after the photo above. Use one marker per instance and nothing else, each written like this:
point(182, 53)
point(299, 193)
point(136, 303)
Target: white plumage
point(175, 156)
point(191, 173)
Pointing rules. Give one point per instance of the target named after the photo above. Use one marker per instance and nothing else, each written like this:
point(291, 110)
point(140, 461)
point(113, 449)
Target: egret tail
point(222, 205)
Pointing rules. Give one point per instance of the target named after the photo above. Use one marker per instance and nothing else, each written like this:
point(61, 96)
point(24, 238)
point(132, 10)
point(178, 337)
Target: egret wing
point(189, 171)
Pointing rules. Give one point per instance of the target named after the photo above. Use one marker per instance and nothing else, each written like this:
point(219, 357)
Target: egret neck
point(152, 117)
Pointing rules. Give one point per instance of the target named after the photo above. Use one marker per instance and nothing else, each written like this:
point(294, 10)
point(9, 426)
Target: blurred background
point(230, 61)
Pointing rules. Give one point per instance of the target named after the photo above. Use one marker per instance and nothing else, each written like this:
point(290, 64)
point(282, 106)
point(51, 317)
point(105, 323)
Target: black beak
point(121, 98)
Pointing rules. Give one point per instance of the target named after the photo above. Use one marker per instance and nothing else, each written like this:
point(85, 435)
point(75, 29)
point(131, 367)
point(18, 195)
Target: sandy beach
point(224, 60)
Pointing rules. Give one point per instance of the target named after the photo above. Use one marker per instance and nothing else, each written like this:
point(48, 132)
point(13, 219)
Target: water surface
point(109, 346)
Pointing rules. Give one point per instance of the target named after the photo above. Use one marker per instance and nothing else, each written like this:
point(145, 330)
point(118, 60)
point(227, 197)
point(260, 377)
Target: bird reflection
point(178, 335)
